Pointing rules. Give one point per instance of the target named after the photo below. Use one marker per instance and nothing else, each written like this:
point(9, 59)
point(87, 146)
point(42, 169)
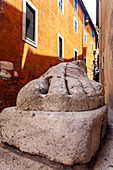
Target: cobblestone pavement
point(12, 159)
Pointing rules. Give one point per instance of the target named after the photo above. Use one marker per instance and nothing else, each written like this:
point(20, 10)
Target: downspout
point(100, 34)
point(97, 13)
point(82, 36)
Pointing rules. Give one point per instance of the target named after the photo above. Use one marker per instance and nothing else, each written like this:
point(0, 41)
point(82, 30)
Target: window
point(85, 37)
point(75, 54)
point(75, 25)
point(61, 5)
point(91, 46)
point(76, 5)
point(30, 23)
point(60, 47)
point(92, 33)
point(85, 60)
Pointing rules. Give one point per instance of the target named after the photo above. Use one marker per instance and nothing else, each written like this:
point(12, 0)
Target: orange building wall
point(87, 50)
point(30, 62)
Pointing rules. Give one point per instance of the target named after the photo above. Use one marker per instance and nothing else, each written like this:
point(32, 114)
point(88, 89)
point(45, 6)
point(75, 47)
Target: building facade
point(35, 35)
point(105, 27)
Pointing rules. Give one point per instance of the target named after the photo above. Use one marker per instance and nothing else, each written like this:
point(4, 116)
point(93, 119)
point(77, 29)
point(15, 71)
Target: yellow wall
point(30, 62)
point(50, 22)
point(87, 50)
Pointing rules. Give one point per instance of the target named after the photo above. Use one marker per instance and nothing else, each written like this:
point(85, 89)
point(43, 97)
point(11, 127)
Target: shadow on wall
point(11, 49)
point(34, 66)
point(11, 54)
point(12, 46)
point(81, 57)
point(12, 76)
point(84, 51)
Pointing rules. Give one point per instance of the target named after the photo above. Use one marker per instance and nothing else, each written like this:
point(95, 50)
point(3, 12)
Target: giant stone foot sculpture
point(61, 116)
point(64, 87)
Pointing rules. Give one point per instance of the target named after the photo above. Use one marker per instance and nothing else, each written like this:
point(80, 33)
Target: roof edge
point(86, 13)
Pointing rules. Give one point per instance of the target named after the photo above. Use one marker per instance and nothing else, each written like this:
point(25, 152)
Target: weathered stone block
point(5, 74)
point(64, 137)
point(5, 65)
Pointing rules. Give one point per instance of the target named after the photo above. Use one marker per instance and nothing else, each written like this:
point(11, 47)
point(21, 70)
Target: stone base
point(65, 137)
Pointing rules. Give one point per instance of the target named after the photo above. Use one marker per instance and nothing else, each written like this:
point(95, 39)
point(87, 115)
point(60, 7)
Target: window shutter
point(59, 3)
point(76, 25)
point(92, 33)
point(75, 4)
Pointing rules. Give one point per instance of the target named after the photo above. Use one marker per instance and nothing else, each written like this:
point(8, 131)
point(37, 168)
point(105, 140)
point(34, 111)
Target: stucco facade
point(31, 62)
point(106, 48)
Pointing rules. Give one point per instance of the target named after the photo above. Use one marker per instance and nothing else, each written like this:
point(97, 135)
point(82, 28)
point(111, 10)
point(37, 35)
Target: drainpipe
point(97, 13)
point(82, 36)
point(100, 34)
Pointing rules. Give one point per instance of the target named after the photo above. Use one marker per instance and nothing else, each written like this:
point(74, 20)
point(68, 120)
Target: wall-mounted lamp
point(86, 20)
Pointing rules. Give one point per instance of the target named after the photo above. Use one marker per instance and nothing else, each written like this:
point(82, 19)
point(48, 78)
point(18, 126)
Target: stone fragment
point(5, 74)
point(5, 65)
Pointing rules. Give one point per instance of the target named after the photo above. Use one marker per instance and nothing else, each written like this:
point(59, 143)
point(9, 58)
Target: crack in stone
point(66, 82)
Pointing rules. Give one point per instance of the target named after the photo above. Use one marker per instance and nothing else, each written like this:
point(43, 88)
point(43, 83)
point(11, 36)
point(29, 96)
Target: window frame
point(24, 37)
point(74, 25)
point(59, 35)
point(74, 54)
point(61, 10)
point(76, 9)
point(84, 37)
